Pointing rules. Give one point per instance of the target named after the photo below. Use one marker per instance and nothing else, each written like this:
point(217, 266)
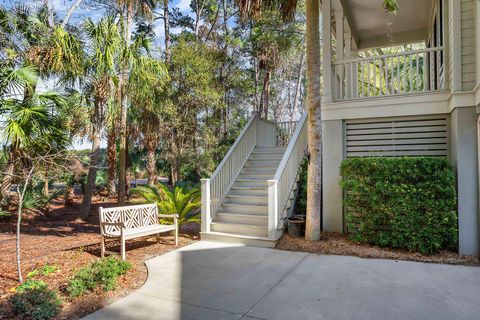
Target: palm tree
point(129, 9)
point(287, 9)
point(29, 125)
point(103, 54)
point(147, 81)
point(30, 48)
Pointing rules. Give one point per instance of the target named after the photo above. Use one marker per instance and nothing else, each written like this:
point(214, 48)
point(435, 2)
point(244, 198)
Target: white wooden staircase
point(252, 189)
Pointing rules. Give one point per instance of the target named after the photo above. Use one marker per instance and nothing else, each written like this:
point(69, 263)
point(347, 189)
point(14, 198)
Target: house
point(404, 84)
point(422, 103)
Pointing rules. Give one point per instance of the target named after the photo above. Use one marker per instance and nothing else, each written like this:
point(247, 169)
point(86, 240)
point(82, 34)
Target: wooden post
point(206, 214)
point(327, 50)
point(272, 208)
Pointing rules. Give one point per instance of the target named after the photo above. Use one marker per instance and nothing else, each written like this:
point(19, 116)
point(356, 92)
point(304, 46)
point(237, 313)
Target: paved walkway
point(215, 281)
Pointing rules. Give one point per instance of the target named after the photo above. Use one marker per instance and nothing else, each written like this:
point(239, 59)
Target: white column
point(205, 215)
point(349, 67)
point(327, 50)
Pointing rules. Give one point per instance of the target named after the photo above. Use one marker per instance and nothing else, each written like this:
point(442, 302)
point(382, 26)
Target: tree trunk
point(314, 179)
point(21, 196)
point(298, 88)
point(7, 180)
point(167, 31)
point(111, 161)
point(265, 94)
point(92, 174)
point(122, 174)
point(46, 190)
point(151, 163)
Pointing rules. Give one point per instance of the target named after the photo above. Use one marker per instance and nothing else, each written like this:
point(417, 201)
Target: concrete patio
point(216, 281)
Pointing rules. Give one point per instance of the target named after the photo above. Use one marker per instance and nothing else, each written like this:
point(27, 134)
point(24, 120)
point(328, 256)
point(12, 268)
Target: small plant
point(45, 271)
point(33, 300)
point(183, 201)
point(103, 273)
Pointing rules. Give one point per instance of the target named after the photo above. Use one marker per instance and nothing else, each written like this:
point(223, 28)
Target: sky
point(83, 12)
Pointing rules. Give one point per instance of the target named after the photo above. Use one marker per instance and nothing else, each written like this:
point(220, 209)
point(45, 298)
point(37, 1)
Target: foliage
point(407, 203)
point(45, 271)
point(390, 5)
point(184, 200)
point(301, 204)
point(33, 300)
point(103, 273)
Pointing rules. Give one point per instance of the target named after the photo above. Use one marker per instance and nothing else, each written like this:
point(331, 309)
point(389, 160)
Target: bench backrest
point(132, 216)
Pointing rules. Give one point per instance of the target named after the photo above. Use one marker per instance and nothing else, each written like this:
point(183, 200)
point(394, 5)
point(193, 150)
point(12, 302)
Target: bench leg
point(176, 235)
point(102, 247)
point(157, 237)
point(122, 247)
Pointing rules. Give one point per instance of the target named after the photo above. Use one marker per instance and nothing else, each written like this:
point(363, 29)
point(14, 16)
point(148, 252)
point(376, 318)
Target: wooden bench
point(133, 222)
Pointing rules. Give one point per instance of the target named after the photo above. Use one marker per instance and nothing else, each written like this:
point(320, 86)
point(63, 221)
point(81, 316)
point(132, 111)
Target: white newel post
point(206, 214)
point(272, 208)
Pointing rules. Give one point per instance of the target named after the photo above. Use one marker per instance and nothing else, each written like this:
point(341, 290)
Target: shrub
point(33, 300)
point(407, 203)
point(103, 273)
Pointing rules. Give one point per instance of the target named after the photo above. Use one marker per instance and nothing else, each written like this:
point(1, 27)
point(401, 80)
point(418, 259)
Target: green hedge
point(407, 203)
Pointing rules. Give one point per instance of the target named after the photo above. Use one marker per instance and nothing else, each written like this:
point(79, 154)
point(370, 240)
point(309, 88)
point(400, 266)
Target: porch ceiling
point(370, 22)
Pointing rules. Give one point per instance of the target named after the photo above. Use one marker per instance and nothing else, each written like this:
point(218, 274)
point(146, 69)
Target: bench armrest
point(174, 216)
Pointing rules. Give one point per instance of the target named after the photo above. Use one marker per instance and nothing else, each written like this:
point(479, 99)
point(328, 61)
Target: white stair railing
point(283, 183)
point(216, 188)
point(285, 130)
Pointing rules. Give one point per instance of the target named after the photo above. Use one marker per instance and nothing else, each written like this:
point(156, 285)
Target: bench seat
point(142, 231)
point(131, 222)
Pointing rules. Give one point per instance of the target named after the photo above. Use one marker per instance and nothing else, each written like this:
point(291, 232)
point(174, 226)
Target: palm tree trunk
point(92, 174)
point(167, 31)
point(314, 179)
point(151, 163)
point(7, 180)
point(111, 161)
point(122, 174)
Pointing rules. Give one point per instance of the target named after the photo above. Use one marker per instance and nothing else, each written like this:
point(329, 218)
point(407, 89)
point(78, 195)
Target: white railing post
point(272, 208)
point(205, 215)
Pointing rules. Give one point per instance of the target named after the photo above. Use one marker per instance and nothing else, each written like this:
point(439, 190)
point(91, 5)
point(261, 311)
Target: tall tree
point(314, 178)
point(104, 39)
point(129, 9)
point(287, 9)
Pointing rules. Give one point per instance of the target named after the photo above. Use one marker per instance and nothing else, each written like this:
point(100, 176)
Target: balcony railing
point(401, 73)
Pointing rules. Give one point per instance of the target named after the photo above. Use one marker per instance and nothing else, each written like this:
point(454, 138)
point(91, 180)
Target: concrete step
point(269, 149)
point(263, 162)
point(250, 183)
point(255, 176)
point(259, 169)
point(240, 229)
point(253, 241)
point(243, 208)
point(248, 191)
point(247, 199)
point(249, 219)
point(263, 155)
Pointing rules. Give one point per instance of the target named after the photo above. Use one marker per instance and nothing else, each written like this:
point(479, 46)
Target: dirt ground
point(339, 244)
point(60, 240)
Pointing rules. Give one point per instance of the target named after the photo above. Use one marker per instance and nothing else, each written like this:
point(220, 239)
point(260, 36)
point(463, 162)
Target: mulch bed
point(59, 239)
point(339, 244)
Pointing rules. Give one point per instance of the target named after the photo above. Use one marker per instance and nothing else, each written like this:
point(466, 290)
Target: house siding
point(468, 44)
